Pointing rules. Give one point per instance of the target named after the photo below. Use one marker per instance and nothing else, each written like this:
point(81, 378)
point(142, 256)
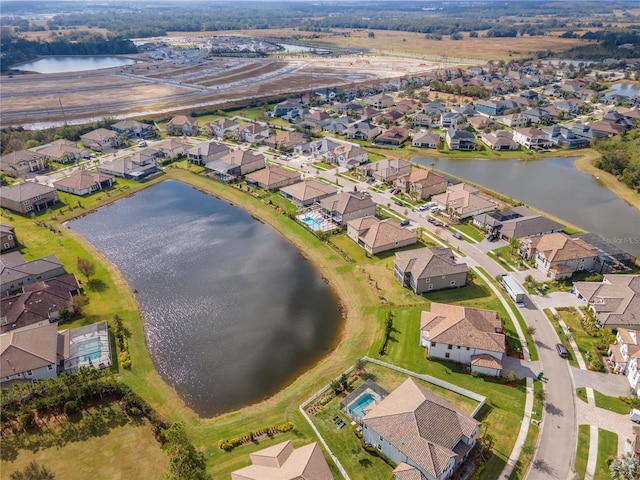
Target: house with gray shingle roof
point(386, 170)
point(84, 182)
point(15, 271)
point(182, 125)
point(206, 152)
point(464, 335)
point(25, 197)
point(429, 269)
point(7, 237)
point(615, 301)
point(346, 206)
point(308, 192)
point(101, 139)
point(284, 462)
point(19, 164)
point(416, 429)
point(273, 177)
point(63, 151)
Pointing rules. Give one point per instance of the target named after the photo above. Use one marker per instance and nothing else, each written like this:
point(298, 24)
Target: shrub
point(71, 407)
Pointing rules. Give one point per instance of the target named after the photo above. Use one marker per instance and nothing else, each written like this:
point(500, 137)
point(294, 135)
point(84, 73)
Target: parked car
point(399, 203)
point(392, 190)
point(370, 180)
point(142, 143)
point(634, 416)
point(435, 209)
point(423, 207)
point(431, 220)
point(457, 235)
point(404, 223)
point(562, 350)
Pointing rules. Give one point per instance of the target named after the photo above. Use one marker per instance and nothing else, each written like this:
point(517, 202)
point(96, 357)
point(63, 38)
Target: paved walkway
point(588, 414)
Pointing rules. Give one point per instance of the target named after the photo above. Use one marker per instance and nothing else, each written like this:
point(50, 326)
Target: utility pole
point(62, 109)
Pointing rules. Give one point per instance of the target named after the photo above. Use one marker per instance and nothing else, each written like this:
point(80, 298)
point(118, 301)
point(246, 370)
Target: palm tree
point(625, 467)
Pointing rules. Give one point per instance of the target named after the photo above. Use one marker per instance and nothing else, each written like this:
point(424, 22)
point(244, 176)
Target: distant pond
point(232, 312)
point(73, 63)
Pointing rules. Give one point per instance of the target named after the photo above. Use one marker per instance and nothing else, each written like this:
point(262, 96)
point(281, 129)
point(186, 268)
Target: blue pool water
point(90, 349)
point(314, 223)
point(360, 404)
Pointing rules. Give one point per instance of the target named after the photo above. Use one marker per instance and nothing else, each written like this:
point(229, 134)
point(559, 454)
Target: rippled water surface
point(231, 311)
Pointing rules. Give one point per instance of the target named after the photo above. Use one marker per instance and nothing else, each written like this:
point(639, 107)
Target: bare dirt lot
point(155, 88)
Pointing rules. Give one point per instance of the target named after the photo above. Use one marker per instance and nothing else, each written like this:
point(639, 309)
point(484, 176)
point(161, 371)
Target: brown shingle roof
point(463, 326)
point(29, 348)
point(429, 262)
point(558, 247)
point(421, 425)
point(82, 179)
point(385, 232)
point(272, 175)
point(347, 202)
point(309, 189)
point(616, 300)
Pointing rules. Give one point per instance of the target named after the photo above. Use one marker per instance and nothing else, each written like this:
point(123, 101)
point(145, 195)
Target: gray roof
point(528, 226)
point(14, 266)
point(616, 300)
point(347, 202)
point(429, 262)
point(25, 191)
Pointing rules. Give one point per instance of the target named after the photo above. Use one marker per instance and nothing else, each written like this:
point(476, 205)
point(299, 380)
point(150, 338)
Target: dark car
point(431, 220)
point(457, 235)
point(404, 223)
point(562, 350)
point(399, 203)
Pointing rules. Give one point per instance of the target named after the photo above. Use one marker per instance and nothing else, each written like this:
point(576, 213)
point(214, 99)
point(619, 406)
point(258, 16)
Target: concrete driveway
point(606, 383)
point(557, 300)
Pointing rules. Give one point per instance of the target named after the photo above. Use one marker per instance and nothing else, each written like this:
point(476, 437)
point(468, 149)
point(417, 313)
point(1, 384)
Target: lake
point(626, 89)
point(556, 186)
point(232, 312)
point(289, 48)
point(76, 63)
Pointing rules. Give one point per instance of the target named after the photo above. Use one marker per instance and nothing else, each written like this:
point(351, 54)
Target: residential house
point(426, 140)
point(286, 141)
point(615, 301)
point(537, 115)
point(460, 139)
point(429, 269)
point(363, 130)
point(386, 170)
point(490, 107)
point(390, 117)
point(206, 152)
point(420, 432)
point(221, 127)
point(84, 182)
point(135, 167)
point(518, 222)
point(395, 137)
point(422, 183)
point(338, 125)
point(606, 128)
point(16, 272)
point(424, 120)
point(465, 109)
point(346, 206)
point(465, 335)
point(40, 351)
point(235, 164)
point(480, 123)
point(317, 147)
point(635, 443)
point(7, 237)
point(183, 125)
point(434, 108)
point(499, 140)
point(318, 119)
point(102, 140)
point(133, 129)
point(19, 164)
point(171, 148)
point(380, 101)
point(63, 151)
point(558, 256)
point(284, 462)
point(347, 155)
point(254, 133)
point(306, 193)
point(25, 197)
point(273, 178)
point(463, 201)
point(406, 106)
point(451, 119)
point(624, 356)
point(377, 236)
point(42, 301)
point(287, 106)
point(565, 137)
point(514, 120)
point(532, 138)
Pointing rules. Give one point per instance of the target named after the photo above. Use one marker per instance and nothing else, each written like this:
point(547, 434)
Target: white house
point(420, 432)
point(625, 356)
point(532, 137)
point(465, 335)
point(347, 155)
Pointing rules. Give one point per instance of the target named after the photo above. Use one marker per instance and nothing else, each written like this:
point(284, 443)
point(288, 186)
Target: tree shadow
point(551, 409)
point(544, 467)
point(96, 285)
point(365, 462)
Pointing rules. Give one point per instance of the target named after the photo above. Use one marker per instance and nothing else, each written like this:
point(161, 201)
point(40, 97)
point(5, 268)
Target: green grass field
point(582, 452)
point(607, 448)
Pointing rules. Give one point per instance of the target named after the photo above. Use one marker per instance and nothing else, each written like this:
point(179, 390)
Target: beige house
point(284, 462)
point(84, 182)
point(206, 152)
point(273, 178)
point(463, 201)
point(171, 147)
point(346, 206)
point(423, 434)
point(386, 170)
point(308, 192)
point(499, 140)
point(422, 183)
point(377, 236)
point(426, 140)
point(221, 126)
point(532, 138)
point(101, 139)
point(182, 125)
point(19, 164)
point(63, 151)
point(380, 101)
point(464, 335)
point(429, 269)
point(615, 301)
point(286, 141)
point(558, 255)
point(254, 133)
point(347, 155)
point(25, 197)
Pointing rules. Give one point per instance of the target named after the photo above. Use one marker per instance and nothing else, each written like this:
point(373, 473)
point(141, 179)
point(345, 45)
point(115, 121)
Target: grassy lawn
point(504, 253)
point(110, 444)
point(563, 338)
point(532, 438)
point(501, 261)
point(613, 404)
point(587, 344)
point(582, 452)
point(469, 231)
point(607, 447)
point(581, 393)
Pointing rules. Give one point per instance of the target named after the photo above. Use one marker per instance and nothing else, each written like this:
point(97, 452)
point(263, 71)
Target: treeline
point(621, 157)
point(16, 50)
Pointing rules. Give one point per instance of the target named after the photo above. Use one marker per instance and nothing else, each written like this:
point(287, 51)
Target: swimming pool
point(360, 404)
point(313, 223)
point(90, 349)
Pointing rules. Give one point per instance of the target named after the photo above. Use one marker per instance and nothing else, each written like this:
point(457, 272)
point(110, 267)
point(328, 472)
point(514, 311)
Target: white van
point(635, 415)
